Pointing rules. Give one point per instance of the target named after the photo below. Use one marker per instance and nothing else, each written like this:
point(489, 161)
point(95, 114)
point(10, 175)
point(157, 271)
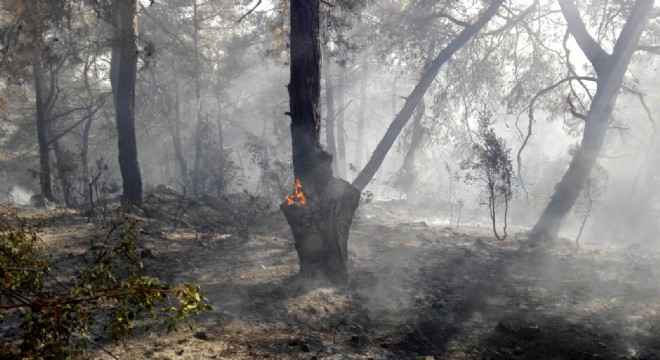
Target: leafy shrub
point(57, 319)
point(490, 166)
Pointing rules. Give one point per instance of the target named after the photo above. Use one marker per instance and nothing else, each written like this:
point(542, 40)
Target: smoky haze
point(478, 161)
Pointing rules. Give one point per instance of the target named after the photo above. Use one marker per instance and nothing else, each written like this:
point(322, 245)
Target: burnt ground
point(415, 291)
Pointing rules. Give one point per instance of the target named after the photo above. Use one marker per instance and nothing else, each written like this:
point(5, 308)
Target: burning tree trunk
point(611, 70)
point(321, 222)
point(417, 94)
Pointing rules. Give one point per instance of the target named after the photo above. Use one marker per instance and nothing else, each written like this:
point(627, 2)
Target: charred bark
point(401, 119)
point(611, 71)
point(320, 226)
point(124, 95)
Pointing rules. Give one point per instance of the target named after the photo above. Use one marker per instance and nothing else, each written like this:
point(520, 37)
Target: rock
point(201, 335)
point(40, 201)
point(146, 253)
point(519, 329)
point(293, 343)
point(359, 340)
point(305, 347)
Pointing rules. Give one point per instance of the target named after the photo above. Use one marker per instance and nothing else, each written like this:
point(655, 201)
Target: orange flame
point(298, 196)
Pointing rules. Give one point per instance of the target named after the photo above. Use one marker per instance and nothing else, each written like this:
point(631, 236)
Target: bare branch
point(649, 48)
point(249, 11)
point(451, 18)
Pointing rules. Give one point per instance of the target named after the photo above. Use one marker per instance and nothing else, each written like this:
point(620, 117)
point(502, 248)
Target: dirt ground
point(416, 291)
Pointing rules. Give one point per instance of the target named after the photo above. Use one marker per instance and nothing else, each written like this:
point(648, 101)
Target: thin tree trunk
point(175, 130)
point(196, 180)
point(320, 225)
point(611, 71)
point(359, 143)
point(408, 167)
point(417, 94)
point(330, 116)
point(124, 90)
point(87, 127)
point(221, 181)
point(42, 132)
point(340, 159)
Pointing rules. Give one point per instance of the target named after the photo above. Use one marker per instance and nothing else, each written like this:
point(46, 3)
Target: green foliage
point(56, 318)
point(491, 167)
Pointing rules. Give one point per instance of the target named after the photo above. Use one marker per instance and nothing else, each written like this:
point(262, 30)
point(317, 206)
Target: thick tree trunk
point(330, 115)
point(359, 142)
point(124, 92)
point(320, 226)
point(42, 129)
point(417, 94)
point(340, 159)
point(175, 129)
point(611, 71)
point(408, 168)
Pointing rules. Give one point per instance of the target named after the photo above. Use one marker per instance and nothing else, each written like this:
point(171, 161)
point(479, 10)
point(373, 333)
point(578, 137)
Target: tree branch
point(591, 49)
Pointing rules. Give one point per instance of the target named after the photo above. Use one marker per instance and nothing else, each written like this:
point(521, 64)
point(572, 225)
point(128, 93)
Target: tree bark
point(610, 79)
point(320, 226)
point(417, 94)
point(42, 129)
point(124, 92)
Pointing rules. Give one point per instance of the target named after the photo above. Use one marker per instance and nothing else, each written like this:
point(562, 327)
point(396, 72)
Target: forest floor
point(416, 291)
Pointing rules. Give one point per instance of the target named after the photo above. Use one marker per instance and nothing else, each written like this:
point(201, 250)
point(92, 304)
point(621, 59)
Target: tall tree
point(401, 119)
point(122, 76)
point(42, 127)
point(321, 223)
point(610, 70)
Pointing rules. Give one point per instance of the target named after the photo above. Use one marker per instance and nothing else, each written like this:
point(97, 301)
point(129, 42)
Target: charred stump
point(320, 223)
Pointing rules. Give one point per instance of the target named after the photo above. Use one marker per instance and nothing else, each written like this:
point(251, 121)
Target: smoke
point(19, 195)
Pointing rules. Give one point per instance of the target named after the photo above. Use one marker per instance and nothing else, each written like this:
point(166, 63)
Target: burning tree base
point(320, 229)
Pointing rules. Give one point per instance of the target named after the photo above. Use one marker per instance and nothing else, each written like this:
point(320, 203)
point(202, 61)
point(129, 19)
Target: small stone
point(305, 347)
point(179, 352)
point(517, 350)
point(201, 335)
point(146, 253)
